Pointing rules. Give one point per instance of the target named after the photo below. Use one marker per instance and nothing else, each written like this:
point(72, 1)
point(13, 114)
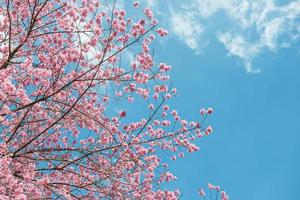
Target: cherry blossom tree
point(66, 66)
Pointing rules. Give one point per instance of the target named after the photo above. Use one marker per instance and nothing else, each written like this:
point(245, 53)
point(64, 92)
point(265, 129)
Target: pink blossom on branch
point(215, 192)
point(62, 72)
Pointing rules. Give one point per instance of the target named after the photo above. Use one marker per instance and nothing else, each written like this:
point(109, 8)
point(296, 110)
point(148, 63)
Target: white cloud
point(151, 3)
point(271, 32)
point(188, 29)
point(237, 46)
point(281, 21)
point(255, 26)
point(207, 8)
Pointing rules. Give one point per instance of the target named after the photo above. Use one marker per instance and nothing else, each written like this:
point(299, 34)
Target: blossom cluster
point(214, 188)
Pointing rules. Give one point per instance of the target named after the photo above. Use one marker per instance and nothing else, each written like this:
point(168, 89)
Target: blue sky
point(242, 58)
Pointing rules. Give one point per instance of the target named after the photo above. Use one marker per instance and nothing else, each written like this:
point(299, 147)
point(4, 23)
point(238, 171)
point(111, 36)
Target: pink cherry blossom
point(202, 111)
point(201, 192)
point(63, 81)
point(209, 111)
point(136, 4)
point(148, 12)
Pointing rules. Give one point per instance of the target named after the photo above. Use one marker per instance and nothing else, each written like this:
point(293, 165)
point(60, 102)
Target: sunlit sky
point(241, 58)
